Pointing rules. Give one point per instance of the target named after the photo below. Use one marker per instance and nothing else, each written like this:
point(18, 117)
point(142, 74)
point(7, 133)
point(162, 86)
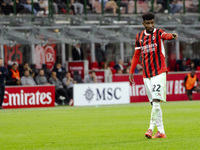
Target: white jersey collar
point(145, 32)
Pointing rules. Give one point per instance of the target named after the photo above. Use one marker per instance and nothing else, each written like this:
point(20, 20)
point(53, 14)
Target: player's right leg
point(148, 87)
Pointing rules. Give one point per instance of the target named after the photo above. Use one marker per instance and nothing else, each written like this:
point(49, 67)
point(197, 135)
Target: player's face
point(149, 25)
point(192, 73)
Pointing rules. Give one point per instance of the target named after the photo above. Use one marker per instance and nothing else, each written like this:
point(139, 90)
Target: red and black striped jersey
point(151, 46)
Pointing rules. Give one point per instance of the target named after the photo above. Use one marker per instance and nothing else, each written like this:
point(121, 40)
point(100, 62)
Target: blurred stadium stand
point(98, 26)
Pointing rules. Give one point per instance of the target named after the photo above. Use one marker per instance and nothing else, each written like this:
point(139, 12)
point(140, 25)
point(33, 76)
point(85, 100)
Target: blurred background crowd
point(79, 7)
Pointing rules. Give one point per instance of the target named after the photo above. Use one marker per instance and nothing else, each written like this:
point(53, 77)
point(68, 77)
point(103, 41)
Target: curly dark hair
point(148, 16)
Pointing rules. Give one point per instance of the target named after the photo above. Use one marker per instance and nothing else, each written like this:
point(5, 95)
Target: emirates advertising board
point(29, 96)
point(175, 89)
point(101, 94)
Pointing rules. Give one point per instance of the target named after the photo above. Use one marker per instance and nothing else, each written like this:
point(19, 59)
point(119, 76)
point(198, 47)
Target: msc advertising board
point(101, 94)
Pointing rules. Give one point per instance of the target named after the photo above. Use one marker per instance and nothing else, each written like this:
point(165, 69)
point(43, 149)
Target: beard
point(150, 32)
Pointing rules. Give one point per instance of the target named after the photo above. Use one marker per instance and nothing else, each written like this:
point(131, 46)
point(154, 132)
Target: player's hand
point(131, 79)
point(175, 35)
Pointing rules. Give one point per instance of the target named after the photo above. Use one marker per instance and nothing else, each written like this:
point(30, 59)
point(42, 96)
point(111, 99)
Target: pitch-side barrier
point(175, 89)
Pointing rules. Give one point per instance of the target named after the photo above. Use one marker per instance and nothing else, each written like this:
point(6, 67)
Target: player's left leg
point(159, 124)
point(158, 94)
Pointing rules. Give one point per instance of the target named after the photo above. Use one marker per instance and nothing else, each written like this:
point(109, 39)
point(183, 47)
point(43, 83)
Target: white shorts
point(156, 87)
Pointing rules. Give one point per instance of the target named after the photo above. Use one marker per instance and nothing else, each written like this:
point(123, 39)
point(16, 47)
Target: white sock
point(154, 114)
point(159, 122)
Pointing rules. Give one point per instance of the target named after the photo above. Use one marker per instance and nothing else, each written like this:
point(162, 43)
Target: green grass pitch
point(113, 127)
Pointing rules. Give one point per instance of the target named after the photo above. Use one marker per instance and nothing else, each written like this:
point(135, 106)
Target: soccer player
point(150, 43)
point(189, 83)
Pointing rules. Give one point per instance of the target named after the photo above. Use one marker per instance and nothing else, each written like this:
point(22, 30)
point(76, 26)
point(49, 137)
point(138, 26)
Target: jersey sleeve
point(137, 43)
point(136, 55)
point(164, 35)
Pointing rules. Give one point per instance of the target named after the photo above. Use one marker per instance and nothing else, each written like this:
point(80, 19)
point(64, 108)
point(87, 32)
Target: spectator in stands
point(91, 78)
point(44, 6)
point(119, 71)
point(142, 6)
point(164, 5)
point(26, 67)
point(78, 7)
point(55, 6)
point(175, 7)
point(71, 9)
point(184, 66)
point(14, 75)
point(47, 71)
point(88, 3)
point(77, 52)
point(7, 6)
point(69, 82)
point(106, 67)
point(60, 71)
point(123, 4)
point(157, 7)
point(126, 70)
point(77, 77)
point(36, 6)
point(192, 5)
point(61, 6)
point(41, 78)
point(61, 92)
point(110, 4)
point(27, 4)
point(192, 66)
point(27, 79)
point(120, 65)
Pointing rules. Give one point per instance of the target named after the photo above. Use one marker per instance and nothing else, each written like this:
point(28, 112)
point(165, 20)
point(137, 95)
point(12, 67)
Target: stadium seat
point(112, 64)
point(188, 62)
point(198, 68)
point(101, 64)
point(95, 65)
point(114, 71)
